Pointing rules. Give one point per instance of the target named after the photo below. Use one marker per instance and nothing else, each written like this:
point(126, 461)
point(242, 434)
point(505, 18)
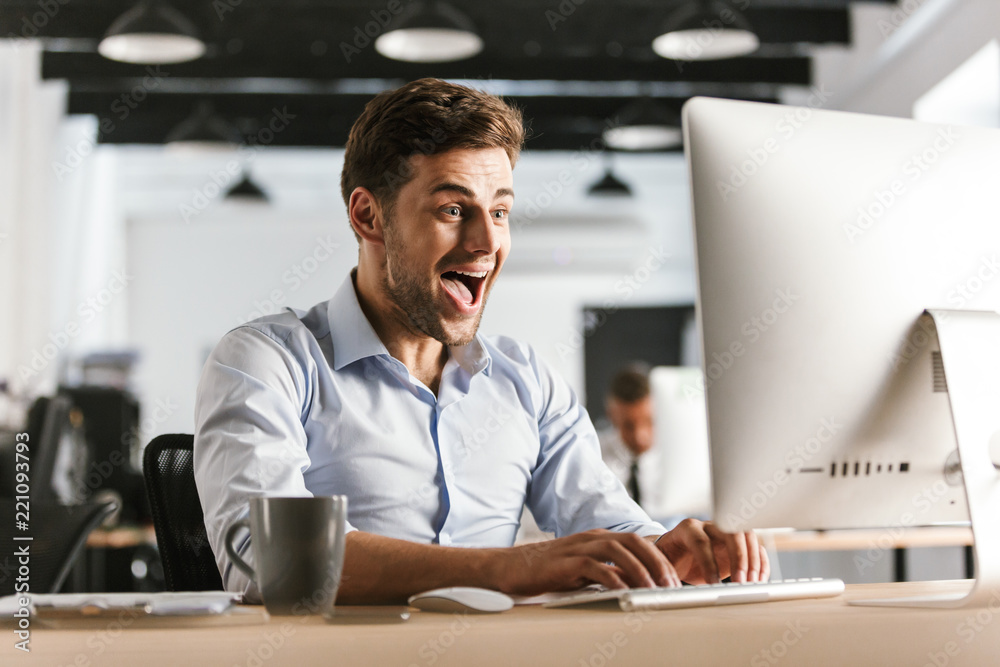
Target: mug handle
point(235, 557)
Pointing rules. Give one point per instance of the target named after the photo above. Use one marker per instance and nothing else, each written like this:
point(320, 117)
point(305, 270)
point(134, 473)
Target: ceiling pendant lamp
point(645, 125)
point(152, 33)
point(203, 131)
point(247, 191)
point(610, 186)
point(430, 32)
point(706, 30)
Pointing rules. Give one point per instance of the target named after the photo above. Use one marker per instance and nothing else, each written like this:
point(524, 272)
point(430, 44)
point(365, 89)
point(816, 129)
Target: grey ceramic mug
point(298, 551)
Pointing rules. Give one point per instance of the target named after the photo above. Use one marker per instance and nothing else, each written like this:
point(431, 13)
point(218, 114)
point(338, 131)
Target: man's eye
point(453, 211)
point(500, 214)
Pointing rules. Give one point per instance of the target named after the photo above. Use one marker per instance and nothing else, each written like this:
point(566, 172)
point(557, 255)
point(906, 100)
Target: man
point(387, 394)
point(624, 446)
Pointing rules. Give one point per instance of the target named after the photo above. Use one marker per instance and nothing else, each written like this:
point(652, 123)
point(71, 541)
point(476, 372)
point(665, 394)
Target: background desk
point(802, 632)
point(876, 543)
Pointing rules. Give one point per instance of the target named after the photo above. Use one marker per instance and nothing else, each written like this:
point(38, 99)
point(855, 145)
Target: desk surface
point(884, 538)
point(802, 632)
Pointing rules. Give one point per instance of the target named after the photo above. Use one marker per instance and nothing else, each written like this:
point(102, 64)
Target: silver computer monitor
point(821, 238)
point(679, 456)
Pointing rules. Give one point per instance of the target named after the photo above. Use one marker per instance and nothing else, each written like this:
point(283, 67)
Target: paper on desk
point(154, 604)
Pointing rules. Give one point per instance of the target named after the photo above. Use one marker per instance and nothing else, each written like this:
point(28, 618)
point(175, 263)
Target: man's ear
point(366, 216)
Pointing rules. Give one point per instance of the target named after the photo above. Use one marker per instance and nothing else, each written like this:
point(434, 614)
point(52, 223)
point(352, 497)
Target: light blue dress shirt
point(311, 403)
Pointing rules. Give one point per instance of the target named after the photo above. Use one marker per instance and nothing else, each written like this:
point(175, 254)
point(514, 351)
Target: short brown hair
point(425, 116)
point(630, 384)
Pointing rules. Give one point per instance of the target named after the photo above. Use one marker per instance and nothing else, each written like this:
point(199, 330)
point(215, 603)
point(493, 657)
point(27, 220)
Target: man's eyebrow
point(466, 192)
point(461, 189)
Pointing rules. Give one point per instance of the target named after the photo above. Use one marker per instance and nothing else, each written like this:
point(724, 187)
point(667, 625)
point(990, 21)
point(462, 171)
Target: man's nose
point(481, 234)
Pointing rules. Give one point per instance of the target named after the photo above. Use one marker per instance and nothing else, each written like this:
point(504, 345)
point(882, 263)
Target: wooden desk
point(897, 540)
point(805, 632)
point(886, 538)
point(122, 537)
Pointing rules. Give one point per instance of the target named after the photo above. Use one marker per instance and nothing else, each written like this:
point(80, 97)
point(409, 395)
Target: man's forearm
point(384, 570)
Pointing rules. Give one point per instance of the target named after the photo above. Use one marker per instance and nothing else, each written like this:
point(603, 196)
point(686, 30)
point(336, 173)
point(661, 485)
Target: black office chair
point(188, 560)
point(59, 534)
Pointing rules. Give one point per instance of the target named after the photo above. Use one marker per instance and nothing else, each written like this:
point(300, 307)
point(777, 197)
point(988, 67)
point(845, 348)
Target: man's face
point(634, 422)
point(446, 239)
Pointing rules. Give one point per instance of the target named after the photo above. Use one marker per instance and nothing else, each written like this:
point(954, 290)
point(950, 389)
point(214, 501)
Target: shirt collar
point(350, 331)
point(354, 338)
point(473, 357)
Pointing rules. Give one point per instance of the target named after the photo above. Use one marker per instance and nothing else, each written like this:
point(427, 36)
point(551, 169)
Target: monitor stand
point(970, 351)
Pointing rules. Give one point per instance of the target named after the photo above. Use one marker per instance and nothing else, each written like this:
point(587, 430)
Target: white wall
point(195, 276)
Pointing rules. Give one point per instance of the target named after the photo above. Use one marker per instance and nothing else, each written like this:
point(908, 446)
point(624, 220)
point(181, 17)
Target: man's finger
point(636, 574)
point(700, 546)
point(736, 551)
point(655, 561)
point(605, 575)
point(765, 565)
point(753, 557)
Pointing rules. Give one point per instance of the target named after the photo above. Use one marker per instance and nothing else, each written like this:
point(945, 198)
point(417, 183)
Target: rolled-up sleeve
point(572, 489)
point(249, 438)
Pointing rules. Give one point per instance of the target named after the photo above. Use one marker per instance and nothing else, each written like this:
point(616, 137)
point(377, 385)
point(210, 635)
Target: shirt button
point(444, 540)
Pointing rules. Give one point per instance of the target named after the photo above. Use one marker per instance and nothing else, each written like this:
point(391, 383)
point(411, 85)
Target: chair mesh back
point(188, 560)
point(58, 532)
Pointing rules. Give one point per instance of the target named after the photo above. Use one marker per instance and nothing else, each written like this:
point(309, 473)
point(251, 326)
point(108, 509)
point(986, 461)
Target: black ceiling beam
point(794, 70)
point(507, 26)
point(556, 123)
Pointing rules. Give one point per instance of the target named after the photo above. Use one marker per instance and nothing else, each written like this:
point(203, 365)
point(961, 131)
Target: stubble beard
point(418, 301)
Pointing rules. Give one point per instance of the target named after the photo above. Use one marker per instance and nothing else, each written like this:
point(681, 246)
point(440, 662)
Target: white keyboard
point(705, 595)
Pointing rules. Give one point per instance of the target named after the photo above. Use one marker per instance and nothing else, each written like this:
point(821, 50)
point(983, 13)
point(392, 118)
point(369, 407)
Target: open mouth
point(465, 288)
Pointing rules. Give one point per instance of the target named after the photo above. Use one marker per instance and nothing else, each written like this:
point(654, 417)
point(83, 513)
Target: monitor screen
point(821, 239)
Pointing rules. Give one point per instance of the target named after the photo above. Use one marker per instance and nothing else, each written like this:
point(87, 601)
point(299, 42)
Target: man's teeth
point(474, 274)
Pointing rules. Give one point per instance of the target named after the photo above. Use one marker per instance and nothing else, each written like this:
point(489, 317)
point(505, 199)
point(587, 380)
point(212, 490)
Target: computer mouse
point(459, 599)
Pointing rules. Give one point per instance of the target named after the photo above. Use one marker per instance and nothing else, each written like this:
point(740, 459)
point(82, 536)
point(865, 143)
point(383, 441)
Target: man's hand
point(701, 553)
point(615, 560)
point(381, 569)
